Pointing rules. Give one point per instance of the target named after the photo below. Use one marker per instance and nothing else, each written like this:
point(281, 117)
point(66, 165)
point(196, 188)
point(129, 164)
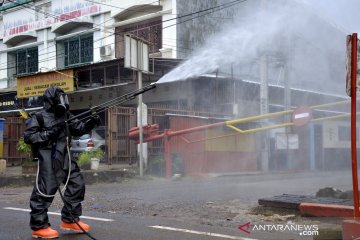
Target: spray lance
point(98, 108)
point(111, 103)
point(93, 110)
point(89, 113)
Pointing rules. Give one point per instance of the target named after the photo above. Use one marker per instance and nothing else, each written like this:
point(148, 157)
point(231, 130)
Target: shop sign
point(7, 101)
point(35, 85)
point(23, 21)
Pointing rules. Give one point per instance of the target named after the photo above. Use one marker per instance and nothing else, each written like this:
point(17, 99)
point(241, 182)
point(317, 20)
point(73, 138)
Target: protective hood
point(55, 99)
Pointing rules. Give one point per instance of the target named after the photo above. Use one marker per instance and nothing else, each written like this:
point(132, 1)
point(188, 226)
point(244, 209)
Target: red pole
point(167, 153)
point(353, 124)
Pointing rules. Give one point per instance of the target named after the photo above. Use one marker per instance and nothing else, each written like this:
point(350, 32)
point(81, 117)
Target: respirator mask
point(62, 104)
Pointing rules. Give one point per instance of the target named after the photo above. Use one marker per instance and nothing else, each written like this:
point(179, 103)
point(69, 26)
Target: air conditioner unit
point(105, 51)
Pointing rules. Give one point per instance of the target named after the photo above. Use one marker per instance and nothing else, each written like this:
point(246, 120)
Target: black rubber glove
point(53, 133)
point(92, 122)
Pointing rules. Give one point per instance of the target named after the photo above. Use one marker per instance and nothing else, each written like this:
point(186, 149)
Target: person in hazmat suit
point(46, 130)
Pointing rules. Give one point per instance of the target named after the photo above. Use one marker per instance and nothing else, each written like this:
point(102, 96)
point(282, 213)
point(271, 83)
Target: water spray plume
point(282, 30)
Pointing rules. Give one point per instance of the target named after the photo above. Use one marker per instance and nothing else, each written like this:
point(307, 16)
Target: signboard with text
point(23, 20)
point(7, 101)
point(35, 85)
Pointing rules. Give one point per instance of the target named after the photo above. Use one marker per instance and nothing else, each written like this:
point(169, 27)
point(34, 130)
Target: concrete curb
point(329, 234)
point(90, 177)
point(326, 210)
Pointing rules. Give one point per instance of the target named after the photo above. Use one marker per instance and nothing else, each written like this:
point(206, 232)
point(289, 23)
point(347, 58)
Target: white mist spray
point(236, 40)
point(280, 29)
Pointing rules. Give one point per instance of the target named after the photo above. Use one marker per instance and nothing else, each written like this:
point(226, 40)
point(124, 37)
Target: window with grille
point(27, 60)
point(149, 31)
point(78, 50)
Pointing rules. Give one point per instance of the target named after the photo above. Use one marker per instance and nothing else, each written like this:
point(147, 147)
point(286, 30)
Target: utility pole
point(264, 103)
point(287, 90)
point(264, 109)
point(137, 58)
point(287, 105)
point(141, 140)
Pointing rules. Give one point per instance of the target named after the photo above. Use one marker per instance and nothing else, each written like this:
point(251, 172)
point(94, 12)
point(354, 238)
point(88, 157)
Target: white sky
point(342, 13)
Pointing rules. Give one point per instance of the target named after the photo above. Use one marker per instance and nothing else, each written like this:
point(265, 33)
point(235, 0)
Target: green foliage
point(85, 157)
point(23, 147)
point(156, 165)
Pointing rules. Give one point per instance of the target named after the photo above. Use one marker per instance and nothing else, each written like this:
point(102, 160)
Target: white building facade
point(44, 36)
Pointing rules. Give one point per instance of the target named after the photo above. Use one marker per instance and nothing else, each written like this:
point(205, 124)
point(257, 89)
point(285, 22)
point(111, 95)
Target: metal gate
point(120, 119)
point(119, 147)
point(13, 129)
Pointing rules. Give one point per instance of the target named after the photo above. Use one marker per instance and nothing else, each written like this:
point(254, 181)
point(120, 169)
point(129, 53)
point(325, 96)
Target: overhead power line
point(204, 11)
point(122, 8)
point(48, 14)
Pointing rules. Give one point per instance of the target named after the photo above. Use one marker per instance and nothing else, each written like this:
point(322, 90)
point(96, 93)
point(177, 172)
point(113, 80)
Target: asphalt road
point(192, 208)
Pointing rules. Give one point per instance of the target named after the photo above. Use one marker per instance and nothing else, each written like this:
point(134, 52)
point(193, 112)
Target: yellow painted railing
point(231, 124)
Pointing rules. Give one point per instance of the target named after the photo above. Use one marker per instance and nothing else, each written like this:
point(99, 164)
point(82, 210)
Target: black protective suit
point(54, 161)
